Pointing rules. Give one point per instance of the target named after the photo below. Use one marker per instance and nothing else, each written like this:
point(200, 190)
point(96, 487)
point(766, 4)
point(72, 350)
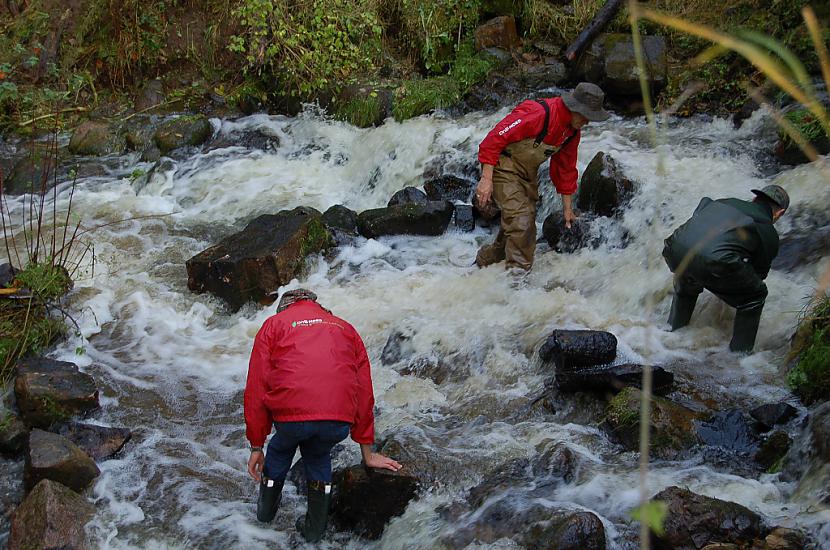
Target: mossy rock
point(95, 138)
point(181, 132)
point(810, 377)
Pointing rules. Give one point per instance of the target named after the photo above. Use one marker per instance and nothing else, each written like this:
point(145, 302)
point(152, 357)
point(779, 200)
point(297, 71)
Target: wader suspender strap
point(544, 131)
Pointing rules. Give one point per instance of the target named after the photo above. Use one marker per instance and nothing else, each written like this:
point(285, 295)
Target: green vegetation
point(810, 378)
point(806, 123)
point(360, 111)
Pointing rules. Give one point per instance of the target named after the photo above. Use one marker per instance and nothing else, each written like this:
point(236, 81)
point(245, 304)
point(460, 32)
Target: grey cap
point(293, 296)
point(586, 99)
point(776, 194)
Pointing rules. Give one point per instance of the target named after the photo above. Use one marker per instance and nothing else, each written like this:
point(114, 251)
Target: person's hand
point(255, 464)
point(570, 217)
point(484, 190)
point(377, 460)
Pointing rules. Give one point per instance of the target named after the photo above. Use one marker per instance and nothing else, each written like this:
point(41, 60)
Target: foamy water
point(172, 364)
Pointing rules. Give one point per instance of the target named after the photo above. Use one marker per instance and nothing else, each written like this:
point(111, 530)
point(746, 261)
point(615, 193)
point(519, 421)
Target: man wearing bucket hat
point(726, 247)
point(510, 156)
point(309, 378)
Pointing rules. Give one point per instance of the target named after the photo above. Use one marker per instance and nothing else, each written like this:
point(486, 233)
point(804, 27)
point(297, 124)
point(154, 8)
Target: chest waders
point(515, 191)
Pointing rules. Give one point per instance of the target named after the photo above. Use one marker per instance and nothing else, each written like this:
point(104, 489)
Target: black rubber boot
point(682, 307)
point(744, 331)
point(316, 518)
point(270, 495)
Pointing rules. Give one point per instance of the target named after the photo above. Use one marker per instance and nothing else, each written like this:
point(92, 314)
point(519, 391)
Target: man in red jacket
point(309, 378)
point(510, 157)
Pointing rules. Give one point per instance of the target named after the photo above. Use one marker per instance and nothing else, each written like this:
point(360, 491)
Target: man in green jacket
point(726, 247)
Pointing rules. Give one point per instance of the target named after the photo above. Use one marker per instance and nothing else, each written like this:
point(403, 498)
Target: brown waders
point(515, 191)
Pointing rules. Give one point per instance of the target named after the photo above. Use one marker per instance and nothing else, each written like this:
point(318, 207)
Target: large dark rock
point(50, 391)
point(612, 378)
point(770, 415)
point(566, 531)
point(611, 63)
point(99, 442)
point(806, 242)
point(7, 274)
point(254, 263)
point(450, 188)
point(783, 538)
point(13, 434)
point(788, 152)
point(416, 449)
point(32, 173)
point(693, 521)
point(181, 132)
point(499, 32)
point(557, 461)
point(568, 349)
point(505, 476)
point(398, 347)
point(671, 425)
point(728, 430)
point(773, 450)
point(464, 217)
point(566, 240)
point(96, 139)
point(342, 223)
point(364, 500)
point(819, 429)
point(431, 218)
point(408, 195)
point(51, 517)
point(604, 189)
point(51, 456)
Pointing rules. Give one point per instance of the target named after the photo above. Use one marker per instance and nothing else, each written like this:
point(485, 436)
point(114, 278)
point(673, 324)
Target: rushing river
point(172, 364)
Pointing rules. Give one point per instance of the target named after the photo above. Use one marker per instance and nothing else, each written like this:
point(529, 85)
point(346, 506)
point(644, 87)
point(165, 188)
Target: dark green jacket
point(724, 236)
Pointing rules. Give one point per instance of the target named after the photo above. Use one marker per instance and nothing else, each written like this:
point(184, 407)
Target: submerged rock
point(50, 391)
point(464, 217)
point(431, 218)
point(408, 195)
point(52, 516)
point(99, 442)
point(569, 349)
point(604, 189)
point(254, 263)
point(728, 430)
point(693, 521)
point(51, 456)
point(773, 450)
point(364, 500)
point(770, 415)
point(566, 240)
point(612, 378)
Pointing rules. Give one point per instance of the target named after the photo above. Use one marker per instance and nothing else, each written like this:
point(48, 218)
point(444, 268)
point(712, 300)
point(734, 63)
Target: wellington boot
point(682, 308)
point(270, 495)
point(744, 331)
point(316, 518)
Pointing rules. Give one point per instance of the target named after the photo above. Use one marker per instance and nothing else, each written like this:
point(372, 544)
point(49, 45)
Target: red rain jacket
point(525, 122)
point(308, 364)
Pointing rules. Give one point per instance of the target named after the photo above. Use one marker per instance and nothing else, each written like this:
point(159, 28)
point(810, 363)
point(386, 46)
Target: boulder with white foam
point(52, 516)
point(431, 218)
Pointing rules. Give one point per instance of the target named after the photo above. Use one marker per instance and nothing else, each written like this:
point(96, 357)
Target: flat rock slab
point(613, 378)
point(50, 391)
point(431, 218)
point(51, 456)
point(52, 516)
point(365, 500)
point(569, 349)
point(99, 442)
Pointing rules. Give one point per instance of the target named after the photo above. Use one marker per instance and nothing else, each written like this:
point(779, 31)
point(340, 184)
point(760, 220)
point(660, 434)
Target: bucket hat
point(776, 194)
point(586, 99)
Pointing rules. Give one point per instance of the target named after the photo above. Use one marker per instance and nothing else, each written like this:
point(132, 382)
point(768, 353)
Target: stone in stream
point(51, 517)
point(364, 499)
point(728, 430)
point(773, 450)
point(181, 132)
point(604, 189)
point(431, 218)
point(569, 349)
point(770, 415)
point(252, 264)
point(50, 391)
point(565, 240)
point(342, 223)
point(99, 442)
point(612, 378)
point(693, 521)
point(13, 434)
point(96, 138)
point(464, 217)
point(450, 188)
point(51, 456)
point(408, 195)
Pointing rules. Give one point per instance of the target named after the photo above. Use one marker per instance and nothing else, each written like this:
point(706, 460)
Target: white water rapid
point(172, 364)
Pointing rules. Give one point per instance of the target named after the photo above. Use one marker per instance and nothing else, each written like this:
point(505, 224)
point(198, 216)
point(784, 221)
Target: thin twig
point(50, 115)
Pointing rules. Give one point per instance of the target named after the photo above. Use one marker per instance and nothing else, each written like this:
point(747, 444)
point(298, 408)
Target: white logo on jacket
point(512, 125)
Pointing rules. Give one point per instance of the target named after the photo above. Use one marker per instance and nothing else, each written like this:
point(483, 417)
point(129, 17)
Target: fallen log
point(605, 14)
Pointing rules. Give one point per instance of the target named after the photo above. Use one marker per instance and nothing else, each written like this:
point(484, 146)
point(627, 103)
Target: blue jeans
point(315, 439)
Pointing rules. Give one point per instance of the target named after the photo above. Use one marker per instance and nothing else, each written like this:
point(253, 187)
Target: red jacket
point(526, 121)
point(308, 364)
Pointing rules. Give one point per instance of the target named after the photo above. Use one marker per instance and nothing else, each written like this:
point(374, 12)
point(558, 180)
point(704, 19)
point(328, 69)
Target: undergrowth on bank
point(810, 376)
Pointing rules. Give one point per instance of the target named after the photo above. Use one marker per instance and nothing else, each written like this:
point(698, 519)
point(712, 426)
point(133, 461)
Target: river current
point(172, 364)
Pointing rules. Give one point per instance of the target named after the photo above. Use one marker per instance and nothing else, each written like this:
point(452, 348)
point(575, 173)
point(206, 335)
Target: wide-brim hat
point(776, 194)
point(586, 99)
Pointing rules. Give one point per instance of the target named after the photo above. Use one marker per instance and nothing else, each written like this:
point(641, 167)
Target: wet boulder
point(31, 173)
point(672, 426)
point(499, 32)
point(398, 347)
point(728, 430)
point(259, 139)
point(807, 241)
point(51, 456)
point(254, 263)
point(96, 139)
point(52, 516)
point(611, 63)
point(604, 189)
point(566, 531)
point(99, 442)
point(773, 450)
point(7, 274)
point(181, 132)
point(565, 240)
point(464, 217)
point(429, 464)
point(693, 521)
point(450, 188)
point(556, 461)
point(408, 195)
point(819, 430)
point(770, 415)
point(568, 349)
point(783, 538)
point(431, 218)
point(13, 435)
point(364, 499)
point(511, 473)
point(341, 223)
point(612, 378)
point(49, 391)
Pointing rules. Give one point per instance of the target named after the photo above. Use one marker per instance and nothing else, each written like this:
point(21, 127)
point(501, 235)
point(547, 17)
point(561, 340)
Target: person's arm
point(484, 190)
point(564, 175)
point(257, 416)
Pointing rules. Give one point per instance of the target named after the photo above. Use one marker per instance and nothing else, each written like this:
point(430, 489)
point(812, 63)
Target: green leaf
point(653, 513)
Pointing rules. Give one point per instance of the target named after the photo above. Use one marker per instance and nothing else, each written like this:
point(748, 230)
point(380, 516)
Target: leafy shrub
point(810, 378)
